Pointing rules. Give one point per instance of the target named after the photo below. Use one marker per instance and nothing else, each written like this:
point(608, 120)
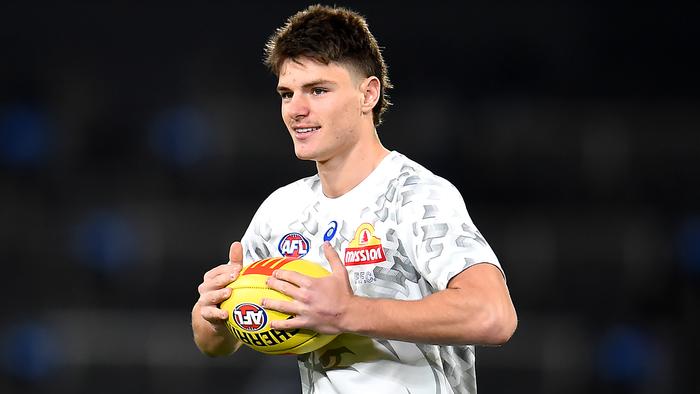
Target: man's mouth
point(303, 130)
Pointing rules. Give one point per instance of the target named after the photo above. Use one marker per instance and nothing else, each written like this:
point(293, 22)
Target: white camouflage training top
point(403, 233)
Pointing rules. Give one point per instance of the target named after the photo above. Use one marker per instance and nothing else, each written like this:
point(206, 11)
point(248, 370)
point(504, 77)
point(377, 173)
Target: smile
point(304, 130)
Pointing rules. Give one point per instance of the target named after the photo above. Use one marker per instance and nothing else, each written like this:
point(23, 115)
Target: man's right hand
point(213, 290)
point(208, 320)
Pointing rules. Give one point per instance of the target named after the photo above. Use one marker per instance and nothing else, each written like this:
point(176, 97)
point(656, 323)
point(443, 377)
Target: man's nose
point(298, 106)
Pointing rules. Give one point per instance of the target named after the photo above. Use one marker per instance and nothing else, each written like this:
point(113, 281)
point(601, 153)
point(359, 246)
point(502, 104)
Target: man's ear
point(371, 88)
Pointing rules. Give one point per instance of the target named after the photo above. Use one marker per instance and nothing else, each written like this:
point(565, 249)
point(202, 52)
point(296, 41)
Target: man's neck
point(341, 174)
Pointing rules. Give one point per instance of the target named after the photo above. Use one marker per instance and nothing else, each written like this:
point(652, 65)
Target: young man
point(414, 285)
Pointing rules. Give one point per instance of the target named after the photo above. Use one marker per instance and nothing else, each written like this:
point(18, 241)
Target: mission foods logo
point(364, 248)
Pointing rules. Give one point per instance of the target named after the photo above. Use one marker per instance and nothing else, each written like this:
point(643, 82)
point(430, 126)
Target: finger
point(235, 254)
point(213, 314)
point(288, 307)
point(218, 270)
point(284, 287)
point(336, 264)
point(293, 277)
point(216, 297)
point(224, 279)
point(221, 280)
point(287, 324)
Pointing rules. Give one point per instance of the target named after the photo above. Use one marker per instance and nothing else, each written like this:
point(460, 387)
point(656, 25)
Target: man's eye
point(285, 95)
point(318, 91)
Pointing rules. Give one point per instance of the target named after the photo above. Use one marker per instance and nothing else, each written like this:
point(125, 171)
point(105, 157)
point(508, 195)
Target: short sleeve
point(444, 240)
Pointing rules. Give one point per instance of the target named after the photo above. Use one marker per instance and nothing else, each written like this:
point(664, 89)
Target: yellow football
point(250, 322)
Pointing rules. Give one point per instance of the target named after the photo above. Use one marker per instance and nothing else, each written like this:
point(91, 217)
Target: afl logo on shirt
point(364, 248)
point(293, 245)
point(250, 317)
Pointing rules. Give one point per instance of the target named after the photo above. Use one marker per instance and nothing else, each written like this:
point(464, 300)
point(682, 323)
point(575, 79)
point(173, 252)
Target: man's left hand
point(319, 304)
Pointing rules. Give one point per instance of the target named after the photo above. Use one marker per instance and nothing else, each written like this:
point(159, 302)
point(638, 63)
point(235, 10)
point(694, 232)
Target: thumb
point(235, 253)
point(337, 266)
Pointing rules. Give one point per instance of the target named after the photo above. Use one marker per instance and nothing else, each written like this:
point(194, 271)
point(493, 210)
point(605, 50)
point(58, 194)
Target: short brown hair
point(331, 34)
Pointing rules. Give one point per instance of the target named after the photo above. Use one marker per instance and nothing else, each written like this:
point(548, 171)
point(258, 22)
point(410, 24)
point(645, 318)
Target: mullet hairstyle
point(331, 34)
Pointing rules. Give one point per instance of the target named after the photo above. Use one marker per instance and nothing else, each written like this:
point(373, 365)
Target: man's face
point(321, 107)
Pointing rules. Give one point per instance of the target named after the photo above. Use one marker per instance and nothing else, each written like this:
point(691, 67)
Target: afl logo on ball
point(250, 317)
point(293, 245)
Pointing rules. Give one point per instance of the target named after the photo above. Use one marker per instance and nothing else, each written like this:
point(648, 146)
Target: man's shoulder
point(410, 175)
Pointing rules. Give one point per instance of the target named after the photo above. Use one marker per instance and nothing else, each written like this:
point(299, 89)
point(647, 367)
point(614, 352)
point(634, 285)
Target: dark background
point(136, 141)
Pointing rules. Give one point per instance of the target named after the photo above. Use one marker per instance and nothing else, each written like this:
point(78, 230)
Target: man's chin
point(304, 155)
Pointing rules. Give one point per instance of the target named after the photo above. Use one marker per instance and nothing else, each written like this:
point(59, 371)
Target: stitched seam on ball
point(252, 287)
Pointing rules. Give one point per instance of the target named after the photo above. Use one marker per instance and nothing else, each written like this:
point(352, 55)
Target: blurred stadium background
point(136, 141)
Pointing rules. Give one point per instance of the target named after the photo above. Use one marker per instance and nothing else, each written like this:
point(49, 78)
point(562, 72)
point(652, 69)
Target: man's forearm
point(467, 312)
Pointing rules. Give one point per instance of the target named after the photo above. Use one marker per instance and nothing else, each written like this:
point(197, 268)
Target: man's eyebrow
point(315, 82)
